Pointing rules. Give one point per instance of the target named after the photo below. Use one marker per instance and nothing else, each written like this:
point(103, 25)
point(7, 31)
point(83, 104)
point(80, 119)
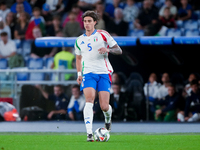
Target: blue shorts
point(100, 82)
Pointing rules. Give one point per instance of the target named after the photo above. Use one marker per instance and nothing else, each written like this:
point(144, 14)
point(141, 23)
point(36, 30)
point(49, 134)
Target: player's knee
point(105, 108)
point(89, 100)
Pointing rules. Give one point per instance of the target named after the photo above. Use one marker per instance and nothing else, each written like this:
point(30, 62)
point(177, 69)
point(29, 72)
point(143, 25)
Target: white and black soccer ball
point(102, 135)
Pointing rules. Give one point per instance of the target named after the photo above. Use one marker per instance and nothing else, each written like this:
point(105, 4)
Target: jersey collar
point(92, 33)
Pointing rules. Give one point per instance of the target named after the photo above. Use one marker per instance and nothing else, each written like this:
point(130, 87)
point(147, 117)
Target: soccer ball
point(102, 135)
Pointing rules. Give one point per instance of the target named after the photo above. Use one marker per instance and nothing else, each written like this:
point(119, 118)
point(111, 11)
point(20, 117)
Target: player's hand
point(103, 50)
point(79, 79)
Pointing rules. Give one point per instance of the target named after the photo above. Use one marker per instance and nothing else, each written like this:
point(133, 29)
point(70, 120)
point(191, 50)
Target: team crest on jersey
point(95, 39)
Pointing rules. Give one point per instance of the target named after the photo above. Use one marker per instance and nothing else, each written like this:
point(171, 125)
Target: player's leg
point(89, 87)
point(104, 97)
point(104, 85)
point(88, 109)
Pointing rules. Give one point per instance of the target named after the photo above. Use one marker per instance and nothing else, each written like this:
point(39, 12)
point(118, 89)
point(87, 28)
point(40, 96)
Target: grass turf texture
point(121, 141)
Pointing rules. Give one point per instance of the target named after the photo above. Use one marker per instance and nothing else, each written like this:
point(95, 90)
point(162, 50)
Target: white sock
point(180, 117)
point(88, 117)
point(108, 115)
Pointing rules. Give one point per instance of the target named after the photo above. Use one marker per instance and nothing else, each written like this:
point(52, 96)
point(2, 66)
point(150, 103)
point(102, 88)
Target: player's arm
point(114, 50)
point(79, 68)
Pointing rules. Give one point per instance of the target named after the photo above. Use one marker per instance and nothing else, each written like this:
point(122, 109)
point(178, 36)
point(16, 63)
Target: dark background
point(182, 59)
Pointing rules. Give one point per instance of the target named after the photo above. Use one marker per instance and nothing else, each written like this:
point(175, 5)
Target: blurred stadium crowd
point(22, 21)
point(26, 20)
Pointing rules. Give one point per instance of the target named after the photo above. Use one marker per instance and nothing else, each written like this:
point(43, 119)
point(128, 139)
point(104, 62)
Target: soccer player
point(91, 51)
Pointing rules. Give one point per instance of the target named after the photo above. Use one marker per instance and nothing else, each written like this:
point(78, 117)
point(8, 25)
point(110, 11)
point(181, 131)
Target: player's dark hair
point(91, 14)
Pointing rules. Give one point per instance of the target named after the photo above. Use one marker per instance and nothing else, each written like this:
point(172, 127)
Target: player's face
point(57, 91)
point(89, 23)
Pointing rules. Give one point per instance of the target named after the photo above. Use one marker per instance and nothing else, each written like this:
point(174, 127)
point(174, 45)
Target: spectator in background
point(130, 12)
point(167, 19)
point(147, 16)
point(10, 22)
point(27, 6)
point(152, 5)
point(118, 27)
point(21, 26)
point(102, 15)
point(87, 4)
point(116, 78)
point(110, 7)
point(38, 52)
point(188, 88)
point(3, 10)
point(185, 11)
point(61, 102)
point(166, 107)
point(64, 60)
point(72, 27)
point(46, 15)
point(9, 3)
point(118, 100)
point(36, 3)
point(36, 20)
point(99, 8)
point(56, 6)
point(19, 9)
point(5, 28)
point(37, 15)
point(75, 9)
point(151, 88)
point(169, 4)
point(56, 26)
point(7, 46)
point(163, 90)
point(192, 107)
point(76, 104)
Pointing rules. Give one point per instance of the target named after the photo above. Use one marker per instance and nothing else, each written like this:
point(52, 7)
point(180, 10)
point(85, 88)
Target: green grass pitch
point(118, 141)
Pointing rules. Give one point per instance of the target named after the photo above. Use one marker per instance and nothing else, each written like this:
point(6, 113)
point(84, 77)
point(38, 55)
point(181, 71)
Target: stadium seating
point(179, 24)
point(137, 33)
point(193, 32)
point(48, 62)
point(174, 32)
point(36, 64)
point(190, 24)
point(3, 65)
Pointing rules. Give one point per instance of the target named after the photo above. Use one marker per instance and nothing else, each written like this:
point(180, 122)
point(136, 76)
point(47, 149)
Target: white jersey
point(87, 47)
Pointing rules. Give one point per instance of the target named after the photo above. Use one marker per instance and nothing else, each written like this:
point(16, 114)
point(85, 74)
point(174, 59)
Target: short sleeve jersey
point(87, 47)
